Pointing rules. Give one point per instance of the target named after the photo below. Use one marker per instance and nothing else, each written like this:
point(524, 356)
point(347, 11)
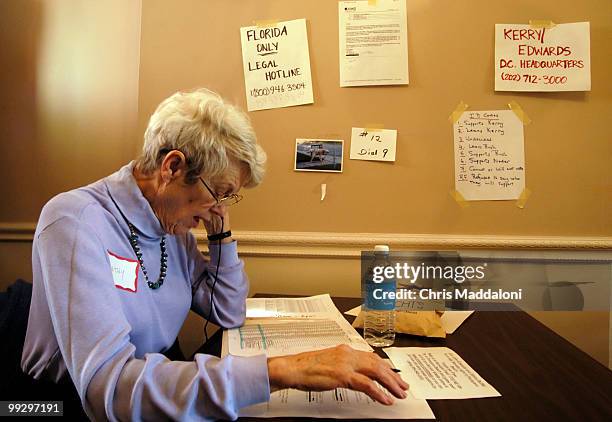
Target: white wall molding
point(349, 245)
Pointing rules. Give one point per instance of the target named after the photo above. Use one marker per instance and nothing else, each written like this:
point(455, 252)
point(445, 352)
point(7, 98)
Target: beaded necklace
point(163, 260)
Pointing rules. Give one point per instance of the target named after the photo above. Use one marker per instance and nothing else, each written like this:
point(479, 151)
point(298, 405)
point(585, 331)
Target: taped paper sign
point(489, 155)
point(276, 65)
point(530, 58)
point(373, 43)
point(376, 145)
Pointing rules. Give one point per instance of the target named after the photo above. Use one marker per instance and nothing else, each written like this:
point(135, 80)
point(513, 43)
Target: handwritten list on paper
point(489, 155)
point(276, 65)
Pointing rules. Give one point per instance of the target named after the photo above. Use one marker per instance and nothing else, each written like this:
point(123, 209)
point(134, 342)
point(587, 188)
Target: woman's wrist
point(223, 241)
point(277, 372)
point(220, 236)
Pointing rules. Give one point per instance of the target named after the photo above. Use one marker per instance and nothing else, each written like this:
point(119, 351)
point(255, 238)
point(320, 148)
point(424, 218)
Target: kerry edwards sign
point(542, 59)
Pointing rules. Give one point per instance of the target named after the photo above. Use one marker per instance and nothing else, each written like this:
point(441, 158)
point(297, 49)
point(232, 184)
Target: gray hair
point(208, 131)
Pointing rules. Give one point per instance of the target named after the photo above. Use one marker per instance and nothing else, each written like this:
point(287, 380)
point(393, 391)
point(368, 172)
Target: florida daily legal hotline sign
point(542, 59)
point(276, 65)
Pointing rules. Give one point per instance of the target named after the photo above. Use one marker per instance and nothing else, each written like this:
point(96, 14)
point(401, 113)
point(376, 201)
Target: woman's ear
point(173, 166)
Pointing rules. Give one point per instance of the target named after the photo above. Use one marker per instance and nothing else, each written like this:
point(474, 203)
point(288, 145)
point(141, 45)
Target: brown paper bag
point(419, 323)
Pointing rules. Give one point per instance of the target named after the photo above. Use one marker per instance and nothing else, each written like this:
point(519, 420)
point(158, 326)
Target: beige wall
point(193, 43)
point(70, 84)
point(15, 262)
point(410, 196)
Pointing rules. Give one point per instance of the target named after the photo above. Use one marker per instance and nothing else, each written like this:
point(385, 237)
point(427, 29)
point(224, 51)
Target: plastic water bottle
point(379, 313)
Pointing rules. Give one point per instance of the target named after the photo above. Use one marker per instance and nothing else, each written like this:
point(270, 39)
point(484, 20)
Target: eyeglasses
point(228, 200)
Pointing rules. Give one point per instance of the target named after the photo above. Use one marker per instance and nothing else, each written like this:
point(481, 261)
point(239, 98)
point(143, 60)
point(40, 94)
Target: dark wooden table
point(540, 375)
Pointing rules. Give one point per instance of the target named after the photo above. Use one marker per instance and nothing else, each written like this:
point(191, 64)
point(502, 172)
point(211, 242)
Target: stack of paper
point(283, 326)
point(291, 307)
point(340, 403)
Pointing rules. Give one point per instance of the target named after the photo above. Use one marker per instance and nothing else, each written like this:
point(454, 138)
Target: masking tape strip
point(458, 112)
point(374, 127)
point(514, 106)
point(459, 198)
point(542, 24)
point(522, 200)
point(266, 23)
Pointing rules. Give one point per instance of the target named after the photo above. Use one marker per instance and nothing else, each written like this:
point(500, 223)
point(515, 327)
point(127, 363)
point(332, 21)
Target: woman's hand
point(213, 224)
point(340, 366)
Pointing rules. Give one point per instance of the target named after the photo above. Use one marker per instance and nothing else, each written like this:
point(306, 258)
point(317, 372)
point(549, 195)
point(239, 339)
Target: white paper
point(224, 344)
point(285, 326)
point(354, 312)
point(124, 271)
point(340, 403)
point(450, 320)
point(373, 43)
point(375, 145)
point(489, 155)
point(542, 59)
point(276, 65)
point(299, 307)
point(279, 336)
point(438, 373)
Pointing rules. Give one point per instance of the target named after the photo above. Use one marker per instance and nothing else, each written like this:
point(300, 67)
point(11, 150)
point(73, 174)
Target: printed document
point(340, 403)
point(302, 307)
point(285, 326)
point(373, 43)
point(281, 326)
point(278, 337)
point(438, 373)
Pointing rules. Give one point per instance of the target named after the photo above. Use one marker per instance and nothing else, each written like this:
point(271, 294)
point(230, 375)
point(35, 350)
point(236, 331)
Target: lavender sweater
point(94, 318)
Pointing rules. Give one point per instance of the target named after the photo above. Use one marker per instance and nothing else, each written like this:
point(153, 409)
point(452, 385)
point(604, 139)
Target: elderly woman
point(116, 271)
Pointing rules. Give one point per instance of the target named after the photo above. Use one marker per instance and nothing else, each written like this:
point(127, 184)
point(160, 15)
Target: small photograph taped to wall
point(319, 155)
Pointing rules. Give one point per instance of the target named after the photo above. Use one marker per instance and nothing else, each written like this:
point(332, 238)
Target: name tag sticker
point(125, 272)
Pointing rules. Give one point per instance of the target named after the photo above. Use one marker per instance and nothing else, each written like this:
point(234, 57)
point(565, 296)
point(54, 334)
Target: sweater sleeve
point(231, 288)
point(93, 335)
